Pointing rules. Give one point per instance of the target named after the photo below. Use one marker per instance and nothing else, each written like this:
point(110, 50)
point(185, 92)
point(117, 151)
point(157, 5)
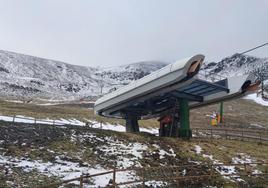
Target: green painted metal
point(221, 112)
point(184, 131)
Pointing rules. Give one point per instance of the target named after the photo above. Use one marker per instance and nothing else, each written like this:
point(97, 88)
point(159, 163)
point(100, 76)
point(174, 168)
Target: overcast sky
point(115, 32)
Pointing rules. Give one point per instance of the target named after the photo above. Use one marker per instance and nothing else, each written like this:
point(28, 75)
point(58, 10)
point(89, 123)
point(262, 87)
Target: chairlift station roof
point(159, 92)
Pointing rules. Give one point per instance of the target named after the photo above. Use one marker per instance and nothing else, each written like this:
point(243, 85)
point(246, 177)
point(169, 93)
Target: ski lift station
point(170, 93)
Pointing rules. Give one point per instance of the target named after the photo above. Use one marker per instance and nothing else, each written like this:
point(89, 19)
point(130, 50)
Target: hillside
point(25, 77)
point(237, 64)
point(37, 155)
point(34, 79)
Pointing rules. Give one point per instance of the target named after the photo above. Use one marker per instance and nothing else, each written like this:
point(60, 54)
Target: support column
point(221, 112)
point(184, 131)
point(132, 123)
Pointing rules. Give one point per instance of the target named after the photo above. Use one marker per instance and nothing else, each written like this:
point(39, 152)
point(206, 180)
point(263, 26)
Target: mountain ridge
point(25, 77)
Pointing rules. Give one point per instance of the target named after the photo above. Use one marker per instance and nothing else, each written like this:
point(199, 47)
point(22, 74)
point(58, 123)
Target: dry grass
point(225, 150)
point(237, 113)
point(61, 111)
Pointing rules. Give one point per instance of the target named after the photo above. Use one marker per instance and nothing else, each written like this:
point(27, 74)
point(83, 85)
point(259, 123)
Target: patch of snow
point(162, 153)
point(256, 99)
point(120, 149)
point(256, 172)
point(226, 170)
point(31, 120)
point(198, 149)
point(156, 184)
point(257, 125)
point(242, 158)
point(6, 118)
point(118, 127)
point(65, 170)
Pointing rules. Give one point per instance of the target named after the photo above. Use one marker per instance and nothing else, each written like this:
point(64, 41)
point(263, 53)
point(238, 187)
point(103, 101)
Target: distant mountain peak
point(29, 77)
point(236, 64)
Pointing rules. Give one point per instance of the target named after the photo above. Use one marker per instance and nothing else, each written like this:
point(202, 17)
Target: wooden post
point(143, 180)
point(211, 173)
point(81, 181)
point(34, 120)
point(211, 133)
point(101, 124)
point(114, 177)
point(14, 118)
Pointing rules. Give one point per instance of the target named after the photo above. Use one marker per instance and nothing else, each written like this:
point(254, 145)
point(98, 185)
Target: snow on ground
point(227, 171)
point(256, 99)
point(25, 119)
point(121, 149)
point(93, 124)
point(198, 149)
point(162, 153)
point(242, 158)
point(64, 169)
point(127, 155)
point(118, 127)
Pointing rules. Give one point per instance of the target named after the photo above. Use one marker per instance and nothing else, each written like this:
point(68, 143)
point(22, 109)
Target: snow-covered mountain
point(238, 64)
point(26, 77)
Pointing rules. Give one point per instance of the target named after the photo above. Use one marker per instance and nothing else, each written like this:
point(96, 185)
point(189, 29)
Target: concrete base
point(132, 124)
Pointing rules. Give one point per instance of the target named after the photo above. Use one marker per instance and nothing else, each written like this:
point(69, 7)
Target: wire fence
point(208, 76)
point(20, 119)
point(261, 136)
point(173, 174)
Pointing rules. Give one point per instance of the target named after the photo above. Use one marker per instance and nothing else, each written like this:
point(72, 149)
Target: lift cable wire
point(260, 46)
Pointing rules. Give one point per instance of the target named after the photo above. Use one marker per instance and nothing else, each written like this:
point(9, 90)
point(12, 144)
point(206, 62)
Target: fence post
point(114, 177)
point(143, 180)
point(14, 118)
point(211, 173)
point(245, 167)
point(81, 181)
point(34, 120)
point(101, 124)
point(211, 133)
point(53, 122)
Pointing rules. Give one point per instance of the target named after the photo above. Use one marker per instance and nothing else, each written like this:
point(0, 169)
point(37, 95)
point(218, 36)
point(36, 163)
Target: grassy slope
point(84, 152)
point(237, 113)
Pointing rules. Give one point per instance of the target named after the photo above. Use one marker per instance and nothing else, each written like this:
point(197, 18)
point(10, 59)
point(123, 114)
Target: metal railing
point(212, 77)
